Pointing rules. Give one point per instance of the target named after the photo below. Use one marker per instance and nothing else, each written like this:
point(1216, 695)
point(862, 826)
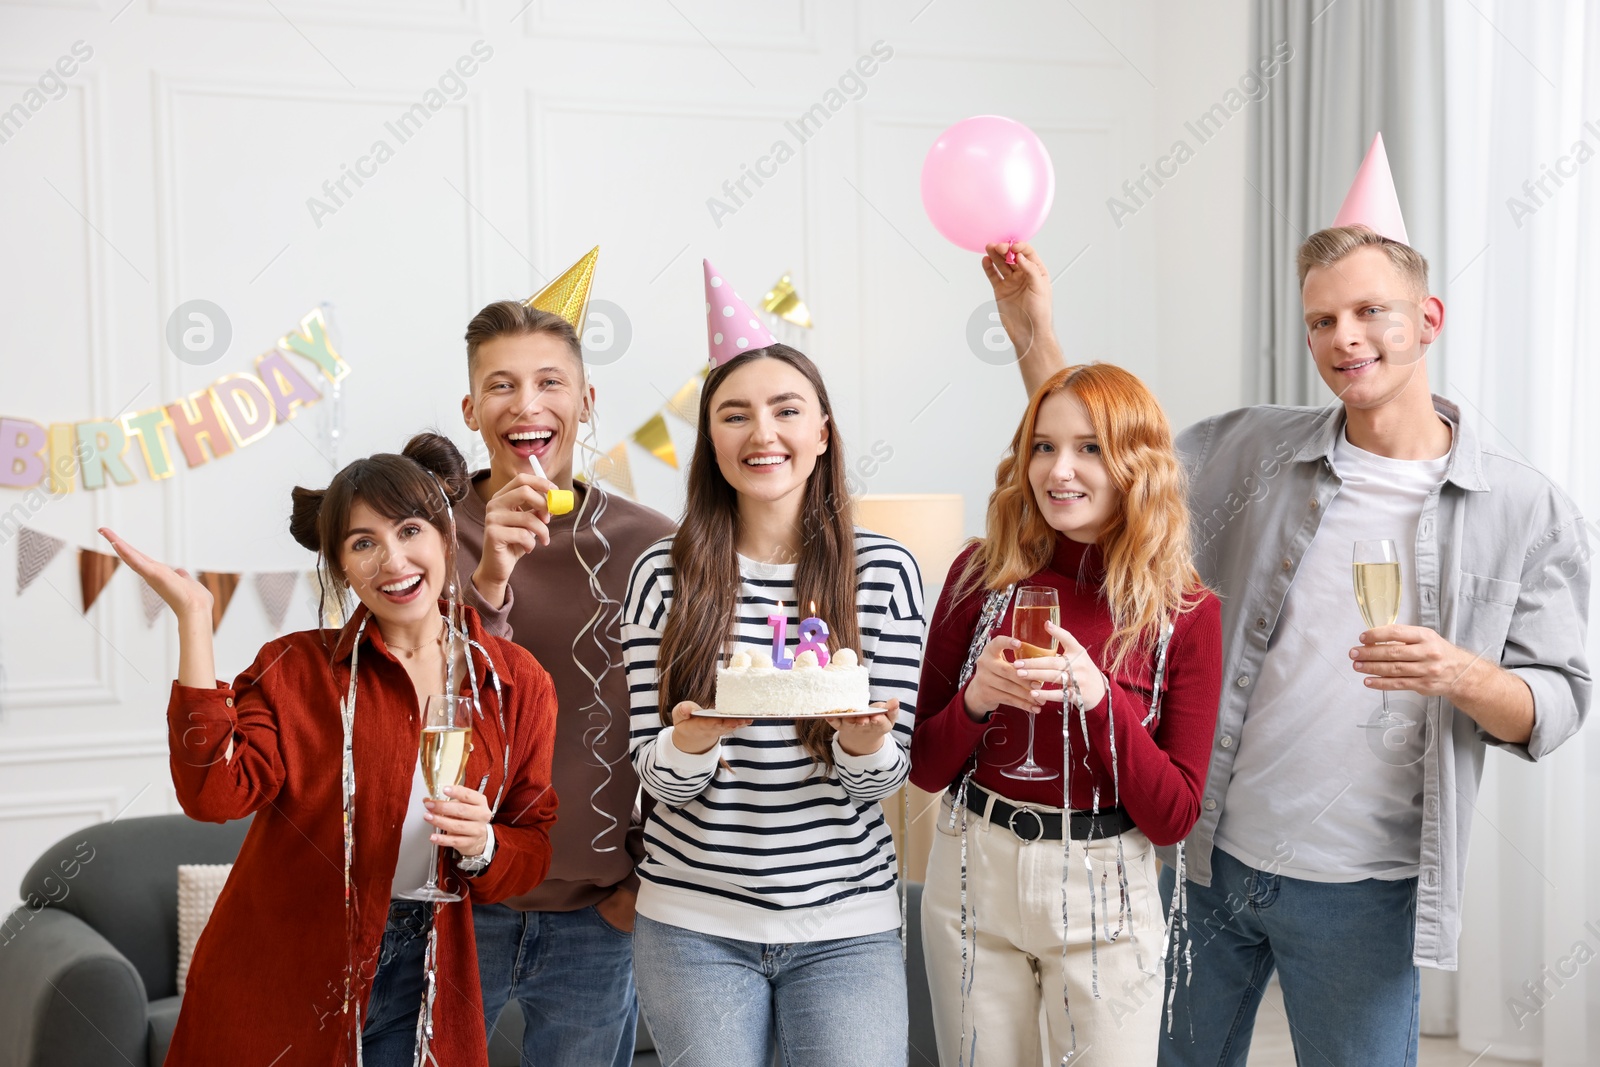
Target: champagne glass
point(1377, 583)
point(1036, 605)
point(446, 740)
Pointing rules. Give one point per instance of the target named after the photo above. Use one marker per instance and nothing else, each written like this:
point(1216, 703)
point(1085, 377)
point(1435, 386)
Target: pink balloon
point(987, 179)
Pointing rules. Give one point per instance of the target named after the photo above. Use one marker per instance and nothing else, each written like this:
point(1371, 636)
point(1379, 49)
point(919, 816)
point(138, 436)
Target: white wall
point(179, 161)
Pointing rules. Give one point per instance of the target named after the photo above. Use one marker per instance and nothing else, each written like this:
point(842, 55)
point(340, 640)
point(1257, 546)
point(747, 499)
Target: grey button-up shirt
point(1502, 569)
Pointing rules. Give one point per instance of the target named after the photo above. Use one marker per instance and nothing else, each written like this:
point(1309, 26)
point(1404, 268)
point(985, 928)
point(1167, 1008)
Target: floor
point(1271, 1046)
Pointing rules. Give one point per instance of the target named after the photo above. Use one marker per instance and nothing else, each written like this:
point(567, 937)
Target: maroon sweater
point(1161, 769)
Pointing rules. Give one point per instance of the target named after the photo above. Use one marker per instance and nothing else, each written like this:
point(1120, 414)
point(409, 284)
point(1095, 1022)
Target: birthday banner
point(234, 411)
point(37, 549)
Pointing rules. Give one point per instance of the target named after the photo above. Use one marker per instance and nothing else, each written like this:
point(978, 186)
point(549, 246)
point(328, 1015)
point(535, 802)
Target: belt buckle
point(1011, 824)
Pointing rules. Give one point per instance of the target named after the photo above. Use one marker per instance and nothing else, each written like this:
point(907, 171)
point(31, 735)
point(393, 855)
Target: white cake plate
point(713, 713)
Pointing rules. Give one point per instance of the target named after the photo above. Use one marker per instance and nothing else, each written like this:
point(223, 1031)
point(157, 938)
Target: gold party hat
point(781, 300)
point(568, 295)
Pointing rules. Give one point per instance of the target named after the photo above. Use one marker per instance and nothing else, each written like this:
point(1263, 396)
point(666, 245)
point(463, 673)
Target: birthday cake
point(750, 687)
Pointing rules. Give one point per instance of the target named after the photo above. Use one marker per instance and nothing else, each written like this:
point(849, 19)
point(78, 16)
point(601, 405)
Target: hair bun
point(303, 517)
point(439, 456)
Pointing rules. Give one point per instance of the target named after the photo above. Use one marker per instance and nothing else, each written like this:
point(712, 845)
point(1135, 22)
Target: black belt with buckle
point(1031, 824)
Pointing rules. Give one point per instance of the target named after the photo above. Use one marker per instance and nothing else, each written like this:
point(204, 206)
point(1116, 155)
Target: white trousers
point(1015, 1015)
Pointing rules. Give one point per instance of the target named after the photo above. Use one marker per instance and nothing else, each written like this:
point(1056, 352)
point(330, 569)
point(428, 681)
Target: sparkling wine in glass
point(1036, 605)
point(442, 752)
point(1377, 582)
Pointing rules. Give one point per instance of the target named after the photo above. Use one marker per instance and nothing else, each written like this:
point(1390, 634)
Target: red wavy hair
point(1150, 575)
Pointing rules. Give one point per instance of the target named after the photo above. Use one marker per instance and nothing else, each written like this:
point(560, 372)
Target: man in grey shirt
point(1332, 844)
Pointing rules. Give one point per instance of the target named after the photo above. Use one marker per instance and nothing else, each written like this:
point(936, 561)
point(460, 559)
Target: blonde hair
point(1150, 575)
point(1327, 247)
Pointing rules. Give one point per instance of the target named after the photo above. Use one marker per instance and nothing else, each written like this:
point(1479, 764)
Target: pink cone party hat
point(731, 327)
point(1371, 201)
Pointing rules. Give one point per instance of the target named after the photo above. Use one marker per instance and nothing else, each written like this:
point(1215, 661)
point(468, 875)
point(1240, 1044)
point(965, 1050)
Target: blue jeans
point(716, 1002)
point(1342, 952)
point(389, 1034)
point(572, 973)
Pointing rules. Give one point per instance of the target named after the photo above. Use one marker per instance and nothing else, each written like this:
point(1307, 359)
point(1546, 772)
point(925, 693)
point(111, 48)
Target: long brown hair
point(705, 564)
point(1150, 575)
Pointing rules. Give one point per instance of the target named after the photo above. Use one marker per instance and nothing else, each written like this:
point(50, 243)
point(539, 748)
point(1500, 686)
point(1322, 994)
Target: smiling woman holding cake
point(767, 904)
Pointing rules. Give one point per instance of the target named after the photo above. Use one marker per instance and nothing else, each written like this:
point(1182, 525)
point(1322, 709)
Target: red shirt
point(267, 981)
point(1161, 769)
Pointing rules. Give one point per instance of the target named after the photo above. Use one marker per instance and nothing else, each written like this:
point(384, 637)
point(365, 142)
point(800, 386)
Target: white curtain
point(1521, 285)
point(1358, 67)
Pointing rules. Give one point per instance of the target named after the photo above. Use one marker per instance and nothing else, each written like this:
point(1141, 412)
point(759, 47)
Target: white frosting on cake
point(750, 687)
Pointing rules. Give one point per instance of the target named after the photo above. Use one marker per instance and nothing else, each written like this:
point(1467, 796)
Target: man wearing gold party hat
point(556, 581)
point(1332, 841)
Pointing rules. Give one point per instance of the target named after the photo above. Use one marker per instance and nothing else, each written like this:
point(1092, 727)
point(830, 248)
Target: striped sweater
point(771, 848)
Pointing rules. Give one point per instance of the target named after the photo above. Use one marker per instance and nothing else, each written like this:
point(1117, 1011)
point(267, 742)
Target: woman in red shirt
point(306, 958)
point(1089, 502)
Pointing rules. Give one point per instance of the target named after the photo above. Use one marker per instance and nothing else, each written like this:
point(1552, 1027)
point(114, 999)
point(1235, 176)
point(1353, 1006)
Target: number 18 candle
point(814, 638)
point(780, 638)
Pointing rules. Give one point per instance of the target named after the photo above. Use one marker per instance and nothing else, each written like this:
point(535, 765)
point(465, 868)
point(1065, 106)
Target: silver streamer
point(1094, 814)
point(606, 613)
point(1179, 913)
point(1161, 673)
point(969, 928)
point(347, 796)
point(905, 866)
point(424, 1056)
point(994, 607)
point(1071, 696)
point(500, 708)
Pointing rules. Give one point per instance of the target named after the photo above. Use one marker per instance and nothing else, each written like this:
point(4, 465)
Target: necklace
point(412, 651)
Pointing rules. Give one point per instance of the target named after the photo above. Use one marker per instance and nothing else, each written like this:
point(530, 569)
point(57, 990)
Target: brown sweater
point(548, 602)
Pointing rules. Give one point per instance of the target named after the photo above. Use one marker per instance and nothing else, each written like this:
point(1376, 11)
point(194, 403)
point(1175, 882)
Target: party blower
point(559, 500)
point(988, 180)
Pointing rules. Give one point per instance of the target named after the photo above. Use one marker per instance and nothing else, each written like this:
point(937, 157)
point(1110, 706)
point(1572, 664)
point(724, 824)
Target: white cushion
point(199, 885)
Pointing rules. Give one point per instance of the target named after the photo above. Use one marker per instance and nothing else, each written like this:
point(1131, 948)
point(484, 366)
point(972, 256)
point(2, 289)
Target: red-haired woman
point(310, 957)
point(1041, 893)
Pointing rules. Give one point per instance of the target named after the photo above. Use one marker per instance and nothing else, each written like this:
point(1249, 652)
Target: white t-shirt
point(411, 866)
point(1323, 788)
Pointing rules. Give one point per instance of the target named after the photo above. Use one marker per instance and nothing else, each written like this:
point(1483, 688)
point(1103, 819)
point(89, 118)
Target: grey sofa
point(88, 968)
point(88, 964)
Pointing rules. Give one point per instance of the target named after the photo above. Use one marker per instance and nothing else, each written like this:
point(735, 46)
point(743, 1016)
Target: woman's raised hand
point(996, 681)
point(189, 600)
point(1021, 291)
point(182, 593)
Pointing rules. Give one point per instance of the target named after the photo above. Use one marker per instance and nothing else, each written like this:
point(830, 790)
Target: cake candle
point(814, 638)
point(780, 638)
